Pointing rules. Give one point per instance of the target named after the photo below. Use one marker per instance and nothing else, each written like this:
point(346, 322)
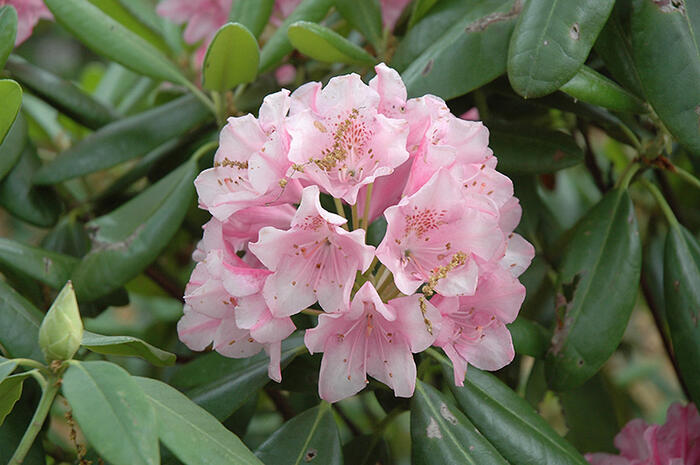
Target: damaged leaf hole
point(670, 6)
point(574, 32)
point(310, 455)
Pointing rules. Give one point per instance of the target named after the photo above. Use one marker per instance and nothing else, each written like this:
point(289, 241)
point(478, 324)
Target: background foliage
point(593, 109)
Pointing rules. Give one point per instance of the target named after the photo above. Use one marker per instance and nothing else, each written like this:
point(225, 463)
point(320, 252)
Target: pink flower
point(340, 141)
point(250, 165)
point(677, 442)
point(391, 11)
point(203, 17)
point(375, 338)
point(434, 235)
point(283, 8)
point(285, 74)
point(29, 12)
point(315, 260)
point(472, 114)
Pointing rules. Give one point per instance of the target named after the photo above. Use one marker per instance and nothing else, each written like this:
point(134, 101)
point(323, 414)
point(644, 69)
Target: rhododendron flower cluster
point(29, 12)
point(292, 194)
point(676, 442)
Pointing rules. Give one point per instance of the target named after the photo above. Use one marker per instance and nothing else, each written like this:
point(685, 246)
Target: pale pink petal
point(607, 459)
point(29, 12)
point(196, 330)
point(391, 11)
point(519, 254)
point(471, 114)
point(232, 341)
point(492, 348)
point(391, 362)
point(391, 89)
point(274, 351)
point(498, 293)
point(459, 364)
point(418, 319)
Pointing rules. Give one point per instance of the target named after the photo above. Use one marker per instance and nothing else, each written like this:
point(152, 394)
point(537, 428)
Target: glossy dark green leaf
point(107, 37)
point(682, 292)
point(365, 16)
point(124, 140)
point(63, 95)
point(440, 433)
point(11, 147)
point(68, 237)
point(592, 87)
point(551, 41)
point(39, 206)
point(671, 81)
point(10, 392)
point(128, 239)
point(278, 45)
point(11, 98)
point(127, 346)
point(420, 9)
point(116, 10)
point(323, 44)
point(50, 268)
point(190, 432)
point(19, 325)
point(114, 413)
point(312, 436)
point(221, 385)
point(529, 337)
point(478, 41)
point(16, 423)
point(6, 367)
point(600, 274)
point(253, 14)
point(8, 32)
point(524, 149)
point(232, 58)
point(519, 433)
point(367, 449)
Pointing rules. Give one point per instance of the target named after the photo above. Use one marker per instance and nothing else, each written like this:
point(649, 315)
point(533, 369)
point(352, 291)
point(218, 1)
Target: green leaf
point(108, 38)
point(420, 9)
point(600, 274)
point(278, 45)
point(12, 430)
point(682, 292)
point(61, 330)
point(127, 346)
point(39, 206)
point(11, 98)
point(63, 95)
point(442, 434)
point(365, 16)
point(8, 32)
point(253, 14)
point(125, 139)
point(68, 237)
point(50, 268)
point(232, 58)
point(190, 432)
point(221, 385)
point(592, 87)
point(310, 436)
point(551, 41)
point(11, 147)
point(478, 42)
point(529, 337)
point(519, 433)
point(113, 412)
point(10, 392)
point(6, 367)
point(128, 239)
point(671, 81)
point(523, 149)
point(19, 325)
point(323, 44)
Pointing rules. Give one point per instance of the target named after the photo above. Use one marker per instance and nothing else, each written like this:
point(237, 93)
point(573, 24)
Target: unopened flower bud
point(61, 331)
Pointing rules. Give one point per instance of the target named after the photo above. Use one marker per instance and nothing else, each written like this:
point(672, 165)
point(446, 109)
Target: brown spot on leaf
point(427, 68)
point(575, 31)
point(310, 455)
point(670, 6)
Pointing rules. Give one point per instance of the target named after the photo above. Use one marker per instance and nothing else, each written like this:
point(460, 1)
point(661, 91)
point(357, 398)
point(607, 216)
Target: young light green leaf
point(600, 274)
point(108, 38)
point(127, 346)
point(232, 58)
point(19, 325)
point(519, 433)
point(310, 436)
point(50, 268)
point(114, 413)
point(116, 10)
point(11, 98)
point(63, 95)
point(253, 14)
point(125, 139)
point(592, 87)
point(682, 293)
point(128, 239)
point(61, 330)
point(551, 41)
point(442, 434)
point(278, 45)
point(11, 147)
point(37, 205)
point(8, 32)
point(6, 367)
point(190, 432)
point(479, 41)
point(324, 44)
point(656, 28)
point(10, 392)
point(365, 16)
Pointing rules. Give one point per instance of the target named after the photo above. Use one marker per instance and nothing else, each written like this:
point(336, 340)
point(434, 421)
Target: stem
point(631, 136)
point(42, 410)
point(355, 217)
point(665, 207)
point(29, 363)
point(339, 209)
point(624, 181)
point(686, 176)
point(203, 149)
point(220, 108)
point(311, 311)
point(202, 97)
point(365, 215)
point(438, 356)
